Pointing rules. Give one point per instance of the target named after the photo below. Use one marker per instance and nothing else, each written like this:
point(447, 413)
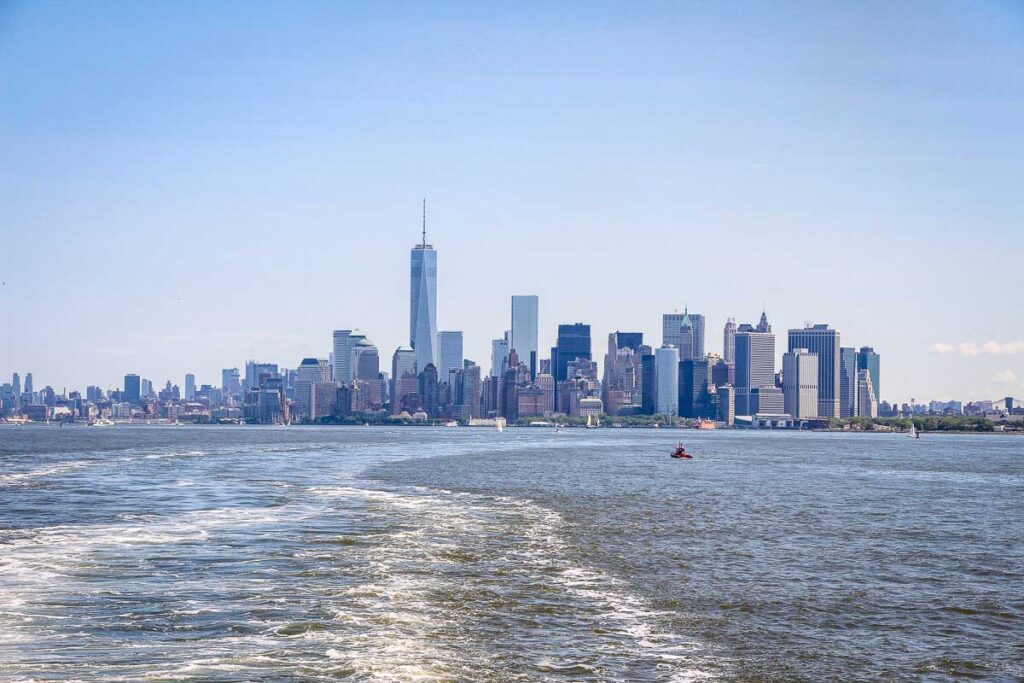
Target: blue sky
point(187, 185)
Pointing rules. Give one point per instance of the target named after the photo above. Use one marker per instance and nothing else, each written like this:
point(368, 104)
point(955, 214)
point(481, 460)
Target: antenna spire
point(424, 222)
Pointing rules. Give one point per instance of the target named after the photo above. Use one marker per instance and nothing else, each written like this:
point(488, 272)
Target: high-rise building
point(255, 372)
point(573, 342)
point(190, 387)
point(342, 355)
point(685, 331)
point(867, 401)
point(868, 360)
point(666, 370)
point(499, 355)
point(800, 384)
point(729, 341)
point(755, 364)
point(693, 387)
point(727, 404)
point(449, 351)
point(29, 389)
point(848, 403)
point(823, 341)
point(307, 374)
point(429, 390)
point(621, 386)
point(132, 387)
point(16, 385)
point(423, 300)
point(648, 382)
point(524, 330)
point(230, 382)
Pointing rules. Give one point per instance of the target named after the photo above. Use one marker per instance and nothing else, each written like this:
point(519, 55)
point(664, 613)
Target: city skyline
point(175, 193)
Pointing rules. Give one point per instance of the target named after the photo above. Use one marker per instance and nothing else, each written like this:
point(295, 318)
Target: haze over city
point(189, 186)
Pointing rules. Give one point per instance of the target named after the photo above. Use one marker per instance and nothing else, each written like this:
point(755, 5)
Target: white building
point(666, 371)
point(800, 383)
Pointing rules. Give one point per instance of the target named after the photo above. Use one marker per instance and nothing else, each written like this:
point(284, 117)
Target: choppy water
point(263, 554)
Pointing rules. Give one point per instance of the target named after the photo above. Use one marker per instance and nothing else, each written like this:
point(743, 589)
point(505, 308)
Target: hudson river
point(394, 554)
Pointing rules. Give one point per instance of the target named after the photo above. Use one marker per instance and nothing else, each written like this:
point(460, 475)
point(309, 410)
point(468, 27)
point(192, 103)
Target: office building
point(132, 388)
point(190, 387)
point(729, 341)
point(693, 388)
point(848, 403)
point(767, 400)
point(868, 360)
point(800, 384)
point(255, 373)
point(666, 370)
point(867, 401)
point(525, 310)
point(231, 382)
point(306, 375)
point(429, 391)
point(499, 354)
point(449, 351)
point(823, 341)
point(423, 301)
point(684, 331)
point(648, 382)
point(727, 404)
point(755, 364)
point(341, 355)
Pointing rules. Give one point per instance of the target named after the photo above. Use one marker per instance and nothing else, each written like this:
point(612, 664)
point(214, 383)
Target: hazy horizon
point(188, 186)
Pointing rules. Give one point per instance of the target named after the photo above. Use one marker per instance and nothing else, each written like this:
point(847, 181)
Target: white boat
point(590, 422)
point(451, 423)
point(912, 432)
point(103, 422)
point(500, 422)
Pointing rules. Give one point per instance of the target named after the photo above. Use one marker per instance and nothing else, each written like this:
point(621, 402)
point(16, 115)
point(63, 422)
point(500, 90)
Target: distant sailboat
point(500, 423)
point(912, 432)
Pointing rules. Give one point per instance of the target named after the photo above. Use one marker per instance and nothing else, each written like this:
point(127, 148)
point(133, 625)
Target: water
point(273, 554)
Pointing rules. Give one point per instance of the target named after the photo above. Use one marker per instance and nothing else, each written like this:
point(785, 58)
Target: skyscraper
point(868, 360)
point(693, 387)
point(848, 404)
point(423, 300)
point(132, 388)
point(666, 370)
point(648, 382)
point(524, 330)
point(729, 341)
point(755, 364)
point(16, 386)
point(866, 397)
point(499, 355)
point(689, 343)
point(342, 355)
point(800, 383)
point(824, 341)
point(403, 362)
point(190, 387)
point(29, 389)
point(449, 351)
point(307, 374)
point(230, 382)
point(573, 342)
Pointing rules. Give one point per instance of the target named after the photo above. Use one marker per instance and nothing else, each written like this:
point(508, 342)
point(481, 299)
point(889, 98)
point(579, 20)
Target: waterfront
point(249, 553)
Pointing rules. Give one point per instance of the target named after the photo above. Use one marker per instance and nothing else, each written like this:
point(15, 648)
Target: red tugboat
point(680, 452)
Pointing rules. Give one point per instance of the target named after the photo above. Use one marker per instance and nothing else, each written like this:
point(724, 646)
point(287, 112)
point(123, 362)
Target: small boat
point(680, 453)
point(451, 423)
point(912, 432)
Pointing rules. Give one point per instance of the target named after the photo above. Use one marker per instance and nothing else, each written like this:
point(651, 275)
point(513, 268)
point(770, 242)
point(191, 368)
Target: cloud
point(989, 348)
point(1005, 377)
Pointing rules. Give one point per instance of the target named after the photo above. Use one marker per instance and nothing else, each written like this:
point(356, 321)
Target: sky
point(187, 185)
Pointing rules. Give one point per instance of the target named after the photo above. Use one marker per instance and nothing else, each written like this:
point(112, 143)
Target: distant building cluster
point(430, 379)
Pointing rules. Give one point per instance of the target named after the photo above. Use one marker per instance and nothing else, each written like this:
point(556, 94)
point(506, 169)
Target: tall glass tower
point(524, 330)
point(423, 301)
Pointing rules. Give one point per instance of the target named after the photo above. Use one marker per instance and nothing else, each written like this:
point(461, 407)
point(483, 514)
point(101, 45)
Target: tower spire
point(424, 222)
